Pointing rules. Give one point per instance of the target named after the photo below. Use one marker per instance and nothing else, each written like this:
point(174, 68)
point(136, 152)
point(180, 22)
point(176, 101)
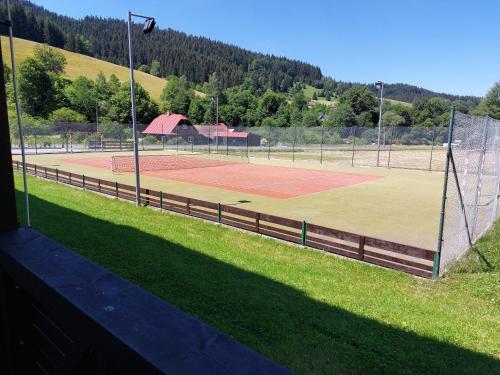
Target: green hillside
point(81, 65)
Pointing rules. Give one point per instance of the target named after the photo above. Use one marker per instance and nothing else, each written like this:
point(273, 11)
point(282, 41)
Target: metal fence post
point(269, 145)
point(304, 233)
point(432, 146)
point(353, 144)
point(437, 255)
point(293, 144)
point(390, 147)
point(321, 145)
point(248, 135)
point(209, 128)
point(192, 138)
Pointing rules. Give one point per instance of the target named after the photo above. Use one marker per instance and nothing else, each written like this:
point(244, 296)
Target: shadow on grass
point(303, 334)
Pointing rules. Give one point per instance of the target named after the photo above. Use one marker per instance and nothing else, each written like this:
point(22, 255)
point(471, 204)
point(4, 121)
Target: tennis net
point(164, 163)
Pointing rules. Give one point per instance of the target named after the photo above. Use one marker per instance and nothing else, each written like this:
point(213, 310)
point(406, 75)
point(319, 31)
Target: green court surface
point(402, 206)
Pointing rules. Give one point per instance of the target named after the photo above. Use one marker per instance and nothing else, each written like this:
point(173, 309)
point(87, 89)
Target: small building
point(173, 125)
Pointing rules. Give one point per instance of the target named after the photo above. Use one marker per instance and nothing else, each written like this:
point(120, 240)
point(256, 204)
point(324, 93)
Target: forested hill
point(178, 53)
point(175, 53)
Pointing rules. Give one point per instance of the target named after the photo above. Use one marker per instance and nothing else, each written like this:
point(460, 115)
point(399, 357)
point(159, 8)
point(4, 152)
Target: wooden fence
point(410, 259)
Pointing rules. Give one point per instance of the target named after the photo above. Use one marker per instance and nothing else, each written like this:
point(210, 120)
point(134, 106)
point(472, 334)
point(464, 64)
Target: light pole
point(19, 114)
point(380, 86)
point(149, 25)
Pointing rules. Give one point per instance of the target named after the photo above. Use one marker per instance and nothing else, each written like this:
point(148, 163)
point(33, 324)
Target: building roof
point(211, 130)
point(165, 124)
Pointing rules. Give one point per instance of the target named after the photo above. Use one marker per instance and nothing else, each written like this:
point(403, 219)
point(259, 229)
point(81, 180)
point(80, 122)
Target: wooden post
point(161, 201)
point(99, 185)
point(69, 177)
point(257, 222)
point(57, 175)
point(83, 181)
point(116, 188)
point(188, 206)
point(361, 247)
point(219, 213)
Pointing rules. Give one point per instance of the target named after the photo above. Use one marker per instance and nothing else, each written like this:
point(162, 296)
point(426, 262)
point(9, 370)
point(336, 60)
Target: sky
point(442, 45)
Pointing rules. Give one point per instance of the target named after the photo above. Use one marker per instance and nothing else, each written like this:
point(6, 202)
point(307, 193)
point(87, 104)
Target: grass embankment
point(314, 313)
point(82, 65)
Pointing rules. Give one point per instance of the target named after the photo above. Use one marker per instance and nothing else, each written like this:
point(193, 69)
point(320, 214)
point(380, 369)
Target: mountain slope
point(81, 65)
point(178, 53)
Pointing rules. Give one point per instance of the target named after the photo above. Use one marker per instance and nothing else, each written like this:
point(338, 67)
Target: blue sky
point(443, 45)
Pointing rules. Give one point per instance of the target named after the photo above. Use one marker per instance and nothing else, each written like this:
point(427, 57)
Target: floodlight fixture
point(149, 25)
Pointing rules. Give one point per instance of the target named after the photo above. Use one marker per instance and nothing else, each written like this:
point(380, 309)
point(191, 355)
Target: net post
point(303, 237)
point(219, 213)
point(437, 255)
point(432, 146)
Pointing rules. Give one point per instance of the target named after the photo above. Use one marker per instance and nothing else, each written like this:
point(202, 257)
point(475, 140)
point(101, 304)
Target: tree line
point(48, 99)
point(168, 52)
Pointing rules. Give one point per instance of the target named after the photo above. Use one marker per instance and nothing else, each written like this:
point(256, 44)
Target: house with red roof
point(171, 125)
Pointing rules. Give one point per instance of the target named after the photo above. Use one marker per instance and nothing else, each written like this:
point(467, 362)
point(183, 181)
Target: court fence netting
point(470, 201)
point(405, 147)
point(467, 151)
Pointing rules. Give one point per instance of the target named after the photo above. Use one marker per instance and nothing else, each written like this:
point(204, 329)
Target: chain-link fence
point(400, 147)
point(472, 186)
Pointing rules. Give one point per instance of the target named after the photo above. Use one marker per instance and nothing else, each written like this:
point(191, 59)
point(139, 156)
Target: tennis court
point(265, 180)
point(396, 205)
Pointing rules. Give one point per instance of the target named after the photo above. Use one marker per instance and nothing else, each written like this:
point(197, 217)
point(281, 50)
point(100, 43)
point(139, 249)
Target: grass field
point(81, 65)
point(311, 312)
point(402, 206)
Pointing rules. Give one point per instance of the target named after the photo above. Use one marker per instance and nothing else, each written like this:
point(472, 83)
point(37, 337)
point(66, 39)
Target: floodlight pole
point(19, 113)
point(381, 84)
point(132, 99)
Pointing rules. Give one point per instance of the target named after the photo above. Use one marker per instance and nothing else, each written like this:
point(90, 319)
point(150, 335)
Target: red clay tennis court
point(269, 181)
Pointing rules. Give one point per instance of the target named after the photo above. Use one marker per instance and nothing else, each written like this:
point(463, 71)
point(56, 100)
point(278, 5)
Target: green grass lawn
point(82, 65)
point(311, 312)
